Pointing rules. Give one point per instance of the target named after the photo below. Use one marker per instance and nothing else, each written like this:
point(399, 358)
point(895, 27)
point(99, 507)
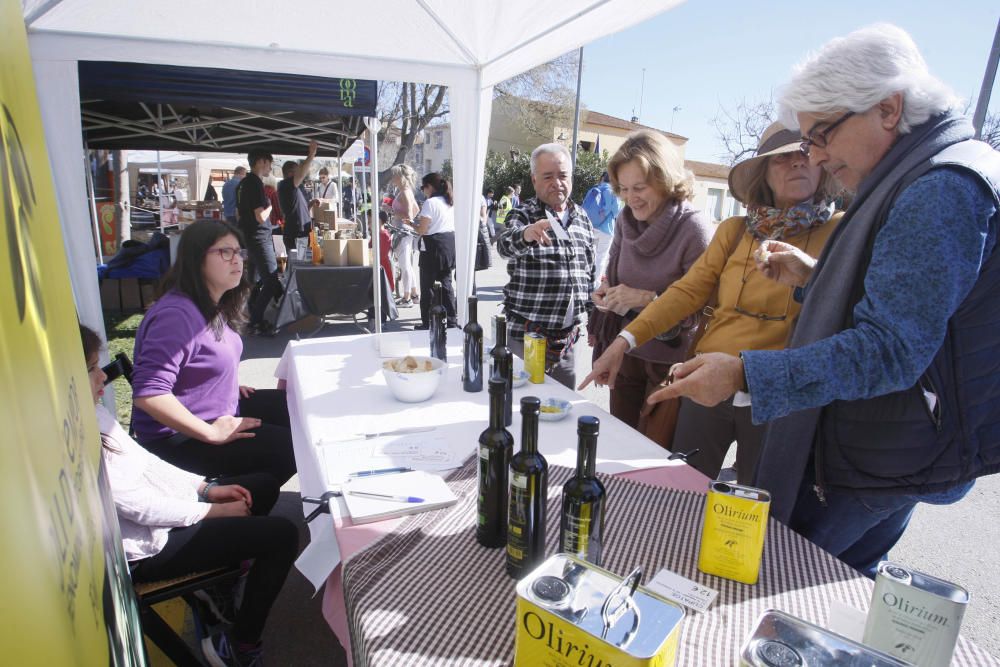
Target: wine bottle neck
point(529, 433)
point(501, 334)
point(588, 451)
point(496, 410)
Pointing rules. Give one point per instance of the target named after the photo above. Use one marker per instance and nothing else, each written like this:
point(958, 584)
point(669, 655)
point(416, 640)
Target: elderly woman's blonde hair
point(659, 162)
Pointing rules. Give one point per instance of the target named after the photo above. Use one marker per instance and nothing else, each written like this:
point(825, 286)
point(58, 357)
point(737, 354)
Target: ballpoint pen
point(379, 471)
point(385, 496)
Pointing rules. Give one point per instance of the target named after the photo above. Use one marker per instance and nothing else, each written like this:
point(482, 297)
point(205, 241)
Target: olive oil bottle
point(496, 445)
point(581, 525)
point(529, 476)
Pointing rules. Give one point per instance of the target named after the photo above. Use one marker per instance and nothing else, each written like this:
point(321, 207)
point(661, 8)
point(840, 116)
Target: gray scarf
point(829, 298)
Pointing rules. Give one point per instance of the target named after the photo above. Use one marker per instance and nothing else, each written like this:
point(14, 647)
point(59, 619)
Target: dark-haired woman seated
point(189, 408)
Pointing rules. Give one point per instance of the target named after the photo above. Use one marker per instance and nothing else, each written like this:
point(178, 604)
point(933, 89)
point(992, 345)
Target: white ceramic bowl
point(414, 387)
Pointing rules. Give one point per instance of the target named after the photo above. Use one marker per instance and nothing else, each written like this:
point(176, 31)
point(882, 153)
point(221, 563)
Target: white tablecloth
point(335, 386)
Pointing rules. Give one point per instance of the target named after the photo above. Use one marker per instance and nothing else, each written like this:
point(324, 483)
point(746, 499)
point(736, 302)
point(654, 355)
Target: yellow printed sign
point(60, 608)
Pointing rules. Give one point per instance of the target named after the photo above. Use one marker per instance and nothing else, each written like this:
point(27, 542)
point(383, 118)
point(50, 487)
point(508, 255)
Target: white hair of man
point(549, 149)
point(856, 72)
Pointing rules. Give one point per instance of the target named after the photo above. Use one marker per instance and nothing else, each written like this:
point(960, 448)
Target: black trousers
point(429, 273)
point(263, 267)
point(271, 541)
point(269, 451)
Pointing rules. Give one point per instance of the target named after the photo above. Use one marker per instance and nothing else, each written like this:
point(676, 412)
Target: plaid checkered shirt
point(546, 281)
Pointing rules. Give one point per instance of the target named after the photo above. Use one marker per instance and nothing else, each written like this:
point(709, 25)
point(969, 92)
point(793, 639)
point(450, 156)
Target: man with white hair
point(889, 391)
point(549, 244)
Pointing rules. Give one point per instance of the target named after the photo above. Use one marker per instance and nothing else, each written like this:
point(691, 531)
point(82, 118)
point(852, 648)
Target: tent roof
point(417, 39)
point(141, 106)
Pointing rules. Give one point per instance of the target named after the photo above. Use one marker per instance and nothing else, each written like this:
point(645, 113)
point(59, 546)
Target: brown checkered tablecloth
point(428, 594)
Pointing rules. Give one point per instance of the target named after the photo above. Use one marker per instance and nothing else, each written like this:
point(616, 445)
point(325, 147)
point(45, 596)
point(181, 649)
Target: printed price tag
point(689, 593)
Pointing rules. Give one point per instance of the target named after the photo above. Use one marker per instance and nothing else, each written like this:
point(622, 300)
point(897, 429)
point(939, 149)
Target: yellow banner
point(60, 607)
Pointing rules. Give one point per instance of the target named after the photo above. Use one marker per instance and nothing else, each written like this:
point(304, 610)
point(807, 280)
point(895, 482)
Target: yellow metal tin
point(561, 610)
point(534, 357)
point(732, 535)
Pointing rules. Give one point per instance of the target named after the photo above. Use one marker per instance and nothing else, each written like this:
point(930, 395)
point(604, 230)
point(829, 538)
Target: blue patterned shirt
point(925, 260)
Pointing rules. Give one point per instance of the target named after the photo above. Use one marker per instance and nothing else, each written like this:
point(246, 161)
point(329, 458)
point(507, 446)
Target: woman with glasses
point(743, 309)
point(189, 408)
point(657, 237)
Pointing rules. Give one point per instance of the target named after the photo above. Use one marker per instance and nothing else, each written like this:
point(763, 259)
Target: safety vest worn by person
point(503, 208)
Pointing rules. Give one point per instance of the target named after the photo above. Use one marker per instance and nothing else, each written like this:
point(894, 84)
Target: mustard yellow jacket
point(728, 263)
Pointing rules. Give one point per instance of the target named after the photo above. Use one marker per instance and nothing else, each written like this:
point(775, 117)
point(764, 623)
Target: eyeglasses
point(822, 139)
point(764, 317)
point(227, 254)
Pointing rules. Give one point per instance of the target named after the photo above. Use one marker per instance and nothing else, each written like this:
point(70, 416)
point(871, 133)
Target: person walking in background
point(886, 395)
point(658, 237)
point(549, 246)
point(295, 204)
point(516, 197)
point(404, 211)
point(504, 207)
point(602, 207)
point(254, 210)
point(786, 200)
point(491, 213)
point(436, 225)
point(229, 194)
point(326, 188)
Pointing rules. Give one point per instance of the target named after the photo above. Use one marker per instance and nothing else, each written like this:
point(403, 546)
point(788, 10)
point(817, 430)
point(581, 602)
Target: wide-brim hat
point(777, 139)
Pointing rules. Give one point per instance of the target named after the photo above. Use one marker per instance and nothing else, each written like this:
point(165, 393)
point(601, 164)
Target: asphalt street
point(958, 542)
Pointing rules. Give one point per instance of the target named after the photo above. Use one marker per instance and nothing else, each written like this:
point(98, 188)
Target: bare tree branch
point(740, 130)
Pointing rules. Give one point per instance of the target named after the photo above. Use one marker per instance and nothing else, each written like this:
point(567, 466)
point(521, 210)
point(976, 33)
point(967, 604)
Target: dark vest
point(895, 443)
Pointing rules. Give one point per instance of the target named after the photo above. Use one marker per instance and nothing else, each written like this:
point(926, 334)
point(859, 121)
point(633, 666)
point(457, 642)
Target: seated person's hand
point(226, 429)
point(222, 510)
point(536, 232)
point(229, 493)
point(784, 263)
point(245, 391)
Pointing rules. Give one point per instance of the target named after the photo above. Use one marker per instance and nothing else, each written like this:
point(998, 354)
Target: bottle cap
point(530, 405)
point(588, 425)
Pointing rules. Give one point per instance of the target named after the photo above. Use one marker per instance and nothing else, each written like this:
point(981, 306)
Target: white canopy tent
point(467, 46)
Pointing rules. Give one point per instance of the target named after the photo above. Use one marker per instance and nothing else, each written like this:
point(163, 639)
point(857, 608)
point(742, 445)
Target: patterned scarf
point(766, 223)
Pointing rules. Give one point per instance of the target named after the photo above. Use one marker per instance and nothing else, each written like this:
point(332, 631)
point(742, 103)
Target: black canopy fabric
point(161, 107)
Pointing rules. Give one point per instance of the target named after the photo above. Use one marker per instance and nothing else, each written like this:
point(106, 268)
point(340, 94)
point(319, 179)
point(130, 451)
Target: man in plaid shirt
point(549, 245)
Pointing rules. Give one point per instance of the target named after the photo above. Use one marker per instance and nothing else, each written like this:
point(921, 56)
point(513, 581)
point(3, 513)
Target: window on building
point(734, 206)
point(713, 207)
point(438, 139)
point(427, 167)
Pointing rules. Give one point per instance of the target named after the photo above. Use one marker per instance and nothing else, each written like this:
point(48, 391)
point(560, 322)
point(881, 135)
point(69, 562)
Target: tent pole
point(576, 111)
point(159, 188)
point(93, 207)
point(339, 204)
point(372, 122)
point(988, 78)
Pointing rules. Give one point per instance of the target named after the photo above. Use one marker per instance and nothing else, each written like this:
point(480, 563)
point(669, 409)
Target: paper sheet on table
point(420, 451)
point(322, 554)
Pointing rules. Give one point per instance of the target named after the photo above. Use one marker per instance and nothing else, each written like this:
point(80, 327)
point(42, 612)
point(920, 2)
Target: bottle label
point(576, 538)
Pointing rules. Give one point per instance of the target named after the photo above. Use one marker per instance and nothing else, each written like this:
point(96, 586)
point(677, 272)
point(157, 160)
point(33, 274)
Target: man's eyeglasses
point(822, 138)
point(227, 254)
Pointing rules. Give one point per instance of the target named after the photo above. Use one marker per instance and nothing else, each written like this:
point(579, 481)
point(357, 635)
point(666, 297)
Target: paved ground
point(956, 543)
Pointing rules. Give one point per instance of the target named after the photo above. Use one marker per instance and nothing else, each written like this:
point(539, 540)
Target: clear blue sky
point(707, 53)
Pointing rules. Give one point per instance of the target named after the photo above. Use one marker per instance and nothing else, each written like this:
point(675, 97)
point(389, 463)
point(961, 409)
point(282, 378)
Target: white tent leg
point(374, 228)
point(470, 127)
point(58, 98)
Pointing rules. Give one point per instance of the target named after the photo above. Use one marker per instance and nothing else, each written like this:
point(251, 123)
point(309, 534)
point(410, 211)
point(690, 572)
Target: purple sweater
point(177, 353)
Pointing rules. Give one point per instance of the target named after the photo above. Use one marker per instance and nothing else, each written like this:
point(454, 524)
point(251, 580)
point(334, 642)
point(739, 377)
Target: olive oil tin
point(914, 616)
point(732, 535)
point(572, 613)
point(781, 640)
point(534, 357)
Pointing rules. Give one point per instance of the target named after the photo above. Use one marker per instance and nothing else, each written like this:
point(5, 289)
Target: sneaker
point(223, 652)
point(404, 303)
point(415, 298)
point(421, 327)
point(215, 604)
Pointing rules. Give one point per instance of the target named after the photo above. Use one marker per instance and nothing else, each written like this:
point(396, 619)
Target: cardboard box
point(357, 253)
point(335, 252)
point(325, 216)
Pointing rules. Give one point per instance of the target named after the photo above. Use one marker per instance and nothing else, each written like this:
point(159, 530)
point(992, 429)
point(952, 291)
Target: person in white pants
point(404, 209)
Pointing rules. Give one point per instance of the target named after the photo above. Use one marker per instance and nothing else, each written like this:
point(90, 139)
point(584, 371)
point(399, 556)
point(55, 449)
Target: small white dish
point(554, 409)
point(520, 378)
